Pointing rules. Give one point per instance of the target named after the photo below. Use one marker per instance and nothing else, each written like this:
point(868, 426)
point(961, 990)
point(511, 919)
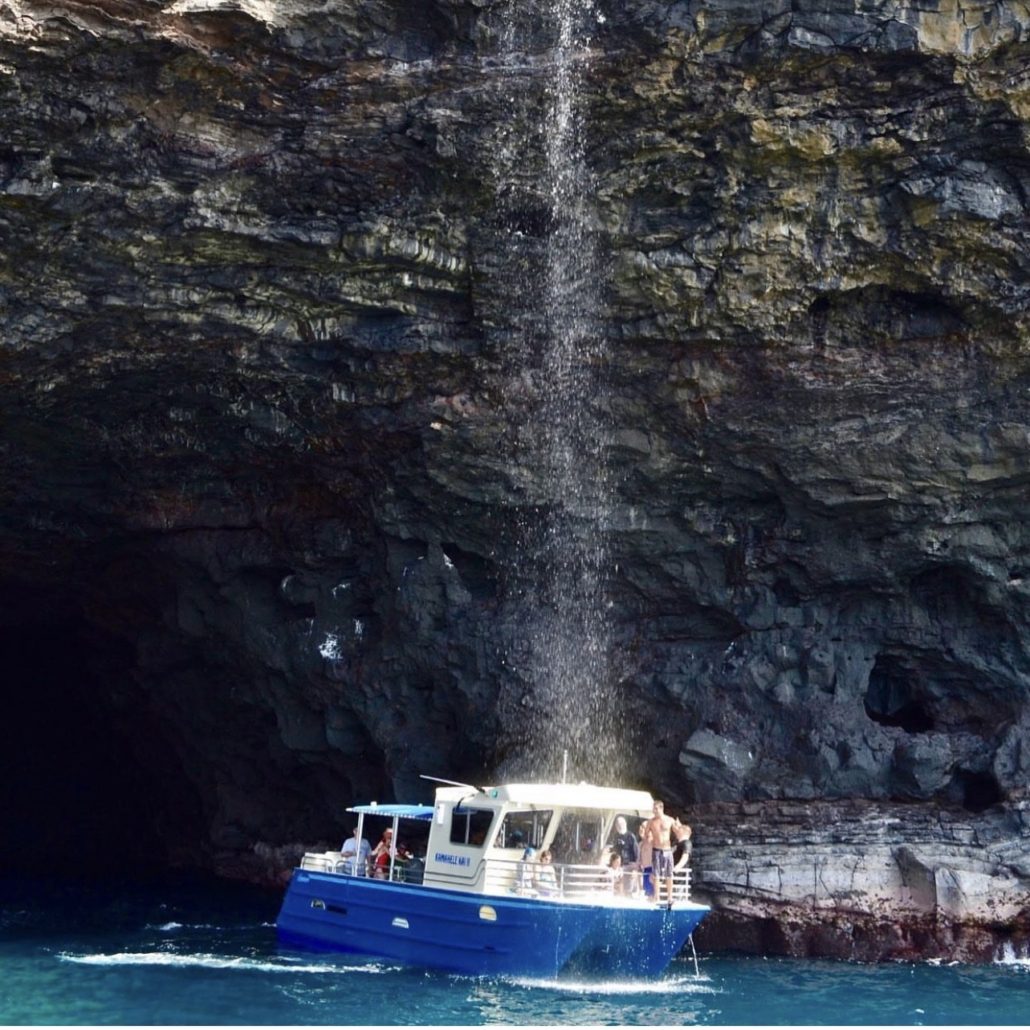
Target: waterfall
point(1009, 956)
point(572, 637)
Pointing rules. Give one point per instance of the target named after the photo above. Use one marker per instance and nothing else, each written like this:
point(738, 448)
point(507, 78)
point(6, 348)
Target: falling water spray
point(575, 696)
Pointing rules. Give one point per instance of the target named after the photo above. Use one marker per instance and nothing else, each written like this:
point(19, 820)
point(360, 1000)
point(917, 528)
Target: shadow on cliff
point(76, 799)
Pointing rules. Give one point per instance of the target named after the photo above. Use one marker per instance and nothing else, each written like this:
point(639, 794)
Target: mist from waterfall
point(570, 642)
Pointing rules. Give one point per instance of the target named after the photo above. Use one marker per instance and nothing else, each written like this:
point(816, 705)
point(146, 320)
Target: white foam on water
point(173, 925)
point(202, 961)
point(672, 985)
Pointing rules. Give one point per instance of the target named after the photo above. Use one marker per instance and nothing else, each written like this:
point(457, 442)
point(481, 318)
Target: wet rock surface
point(270, 380)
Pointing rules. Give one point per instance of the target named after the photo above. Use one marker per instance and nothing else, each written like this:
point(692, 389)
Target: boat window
point(579, 839)
point(470, 826)
point(523, 829)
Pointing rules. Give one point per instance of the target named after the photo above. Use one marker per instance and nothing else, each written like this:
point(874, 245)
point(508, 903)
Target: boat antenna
point(565, 766)
point(452, 783)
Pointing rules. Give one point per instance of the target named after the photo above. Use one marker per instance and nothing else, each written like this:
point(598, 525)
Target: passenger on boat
point(402, 859)
point(546, 881)
point(681, 834)
point(380, 856)
point(414, 869)
point(645, 858)
point(659, 828)
point(355, 852)
point(525, 877)
point(613, 875)
point(625, 845)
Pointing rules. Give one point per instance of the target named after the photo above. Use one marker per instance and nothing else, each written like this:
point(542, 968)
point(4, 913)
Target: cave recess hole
point(976, 791)
point(894, 698)
point(78, 799)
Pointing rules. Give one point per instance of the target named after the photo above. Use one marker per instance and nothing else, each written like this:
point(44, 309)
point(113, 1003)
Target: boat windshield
point(523, 829)
point(579, 837)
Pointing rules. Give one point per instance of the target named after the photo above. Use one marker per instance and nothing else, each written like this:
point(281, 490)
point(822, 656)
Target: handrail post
point(393, 847)
point(357, 844)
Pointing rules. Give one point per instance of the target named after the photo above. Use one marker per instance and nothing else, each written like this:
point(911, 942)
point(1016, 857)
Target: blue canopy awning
point(423, 812)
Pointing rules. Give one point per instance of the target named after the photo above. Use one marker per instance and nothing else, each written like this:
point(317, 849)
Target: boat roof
point(555, 795)
point(423, 812)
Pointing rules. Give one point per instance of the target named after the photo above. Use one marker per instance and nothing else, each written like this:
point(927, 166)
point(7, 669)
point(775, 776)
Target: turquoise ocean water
point(189, 954)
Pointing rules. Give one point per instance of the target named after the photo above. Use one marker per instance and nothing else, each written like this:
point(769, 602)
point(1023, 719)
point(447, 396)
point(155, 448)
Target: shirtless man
point(659, 830)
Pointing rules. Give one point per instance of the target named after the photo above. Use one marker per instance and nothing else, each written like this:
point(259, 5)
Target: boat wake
point(203, 961)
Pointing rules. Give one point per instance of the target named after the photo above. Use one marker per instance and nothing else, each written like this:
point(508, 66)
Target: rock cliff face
point(270, 390)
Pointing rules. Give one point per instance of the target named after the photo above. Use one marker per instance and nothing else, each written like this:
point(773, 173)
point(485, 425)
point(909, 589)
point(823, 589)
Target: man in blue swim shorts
point(659, 829)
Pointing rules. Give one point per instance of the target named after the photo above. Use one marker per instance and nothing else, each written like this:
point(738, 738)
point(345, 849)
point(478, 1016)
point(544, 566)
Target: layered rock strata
point(865, 881)
point(270, 389)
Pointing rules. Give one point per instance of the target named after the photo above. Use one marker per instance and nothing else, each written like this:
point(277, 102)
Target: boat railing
point(514, 876)
point(568, 880)
point(406, 871)
point(681, 884)
point(331, 861)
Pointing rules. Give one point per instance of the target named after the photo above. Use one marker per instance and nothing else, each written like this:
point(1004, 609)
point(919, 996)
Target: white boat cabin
point(490, 840)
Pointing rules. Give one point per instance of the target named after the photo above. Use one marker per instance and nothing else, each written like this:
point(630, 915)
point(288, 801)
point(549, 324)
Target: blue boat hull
point(477, 934)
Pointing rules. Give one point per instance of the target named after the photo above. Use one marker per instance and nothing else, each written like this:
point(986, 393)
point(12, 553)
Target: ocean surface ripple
point(207, 955)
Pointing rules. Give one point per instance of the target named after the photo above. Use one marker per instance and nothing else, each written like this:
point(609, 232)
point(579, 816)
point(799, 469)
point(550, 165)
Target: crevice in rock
point(879, 312)
point(477, 574)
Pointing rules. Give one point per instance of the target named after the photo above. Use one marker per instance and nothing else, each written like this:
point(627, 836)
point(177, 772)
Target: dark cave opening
point(77, 798)
point(976, 791)
point(893, 697)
